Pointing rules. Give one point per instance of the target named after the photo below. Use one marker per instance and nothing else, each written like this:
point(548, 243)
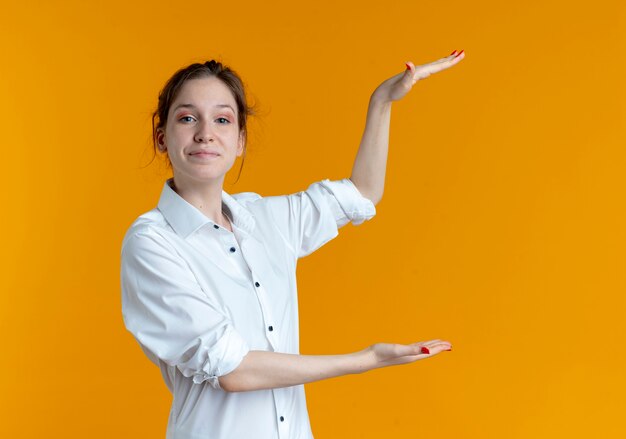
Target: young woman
point(208, 278)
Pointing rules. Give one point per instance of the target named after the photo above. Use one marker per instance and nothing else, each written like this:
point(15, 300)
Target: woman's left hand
point(396, 87)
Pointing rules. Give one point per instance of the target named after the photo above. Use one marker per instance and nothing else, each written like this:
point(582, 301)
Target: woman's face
point(202, 136)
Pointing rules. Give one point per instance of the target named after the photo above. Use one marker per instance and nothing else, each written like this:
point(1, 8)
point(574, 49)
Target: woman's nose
point(205, 133)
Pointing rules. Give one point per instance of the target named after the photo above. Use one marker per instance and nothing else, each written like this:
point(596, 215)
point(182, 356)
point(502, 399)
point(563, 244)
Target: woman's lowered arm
point(270, 370)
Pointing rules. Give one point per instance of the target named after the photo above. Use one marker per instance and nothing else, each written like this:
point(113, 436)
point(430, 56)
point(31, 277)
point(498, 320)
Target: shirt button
point(282, 419)
point(233, 249)
point(271, 328)
point(216, 226)
point(256, 284)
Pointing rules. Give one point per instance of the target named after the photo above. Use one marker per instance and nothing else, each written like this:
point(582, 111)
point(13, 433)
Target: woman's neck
point(207, 199)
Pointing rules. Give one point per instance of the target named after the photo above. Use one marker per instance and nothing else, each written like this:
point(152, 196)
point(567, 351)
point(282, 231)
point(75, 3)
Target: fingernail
point(408, 67)
point(460, 53)
point(425, 350)
point(452, 53)
point(449, 349)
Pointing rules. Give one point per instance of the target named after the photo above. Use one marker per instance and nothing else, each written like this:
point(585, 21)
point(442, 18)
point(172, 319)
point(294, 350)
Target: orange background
point(502, 227)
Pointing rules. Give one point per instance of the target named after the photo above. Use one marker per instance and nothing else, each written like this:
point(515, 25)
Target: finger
point(433, 346)
point(407, 350)
point(439, 348)
point(401, 351)
point(424, 347)
point(428, 342)
point(409, 74)
point(441, 64)
point(433, 343)
point(425, 343)
point(428, 69)
point(452, 56)
point(445, 58)
point(440, 60)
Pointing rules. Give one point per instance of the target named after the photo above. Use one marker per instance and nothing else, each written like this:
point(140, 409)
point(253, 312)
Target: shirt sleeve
point(311, 218)
point(169, 314)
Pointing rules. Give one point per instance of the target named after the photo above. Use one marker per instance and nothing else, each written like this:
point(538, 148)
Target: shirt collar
point(186, 218)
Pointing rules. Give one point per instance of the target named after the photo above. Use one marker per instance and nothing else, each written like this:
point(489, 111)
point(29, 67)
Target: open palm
point(396, 87)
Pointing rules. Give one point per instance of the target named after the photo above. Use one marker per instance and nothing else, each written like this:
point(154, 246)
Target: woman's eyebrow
point(193, 106)
point(184, 106)
point(225, 106)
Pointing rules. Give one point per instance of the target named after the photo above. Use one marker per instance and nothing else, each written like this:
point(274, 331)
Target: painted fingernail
point(449, 349)
point(425, 350)
point(460, 53)
point(452, 53)
point(408, 67)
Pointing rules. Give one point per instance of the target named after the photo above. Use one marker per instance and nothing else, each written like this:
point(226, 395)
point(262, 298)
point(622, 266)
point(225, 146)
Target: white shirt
point(197, 298)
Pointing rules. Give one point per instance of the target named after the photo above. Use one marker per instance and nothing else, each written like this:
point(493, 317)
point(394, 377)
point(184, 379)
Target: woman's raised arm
point(368, 172)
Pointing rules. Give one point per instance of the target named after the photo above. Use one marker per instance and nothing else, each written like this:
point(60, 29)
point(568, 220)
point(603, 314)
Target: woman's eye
point(186, 117)
point(222, 120)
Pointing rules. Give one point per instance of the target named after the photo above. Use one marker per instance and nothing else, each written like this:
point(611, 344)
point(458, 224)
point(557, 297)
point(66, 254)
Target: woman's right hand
point(391, 354)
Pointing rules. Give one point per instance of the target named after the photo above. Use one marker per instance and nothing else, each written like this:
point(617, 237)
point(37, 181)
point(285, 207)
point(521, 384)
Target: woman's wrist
point(379, 100)
point(359, 362)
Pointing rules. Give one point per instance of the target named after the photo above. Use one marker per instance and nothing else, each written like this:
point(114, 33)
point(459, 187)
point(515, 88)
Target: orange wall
point(502, 228)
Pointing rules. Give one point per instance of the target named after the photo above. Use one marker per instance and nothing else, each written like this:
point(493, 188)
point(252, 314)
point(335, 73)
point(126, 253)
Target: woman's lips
point(204, 154)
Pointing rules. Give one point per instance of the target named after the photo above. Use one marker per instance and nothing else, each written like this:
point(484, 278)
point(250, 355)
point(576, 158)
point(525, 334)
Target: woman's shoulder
point(246, 197)
point(148, 223)
point(256, 203)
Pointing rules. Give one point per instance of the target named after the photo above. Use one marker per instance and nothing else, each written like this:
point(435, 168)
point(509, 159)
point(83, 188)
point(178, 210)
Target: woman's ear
point(160, 137)
point(241, 143)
